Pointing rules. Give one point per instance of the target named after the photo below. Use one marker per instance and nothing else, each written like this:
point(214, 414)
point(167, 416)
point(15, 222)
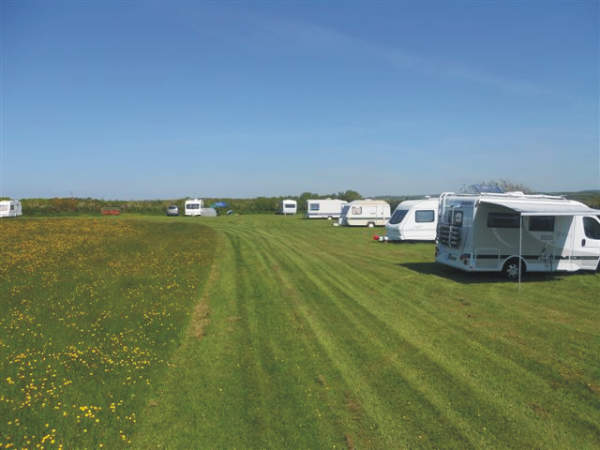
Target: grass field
point(281, 332)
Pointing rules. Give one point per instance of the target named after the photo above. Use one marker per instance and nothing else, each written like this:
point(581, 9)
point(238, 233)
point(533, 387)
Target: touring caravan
point(324, 208)
point(413, 220)
point(516, 233)
point(289, 206)
point(10, 208)
point(193, 207)
point(367, 212)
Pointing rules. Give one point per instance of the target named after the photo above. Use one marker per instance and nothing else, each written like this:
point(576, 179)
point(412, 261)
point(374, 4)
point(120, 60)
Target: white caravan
point(367, 212)
point(289, 206)
point(413, 220)
point(324, 208)
point(515, 233)
point(193, 207)
point(10, 208)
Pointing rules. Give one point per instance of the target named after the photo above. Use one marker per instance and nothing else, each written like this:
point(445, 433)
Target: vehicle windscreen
point(398, 216)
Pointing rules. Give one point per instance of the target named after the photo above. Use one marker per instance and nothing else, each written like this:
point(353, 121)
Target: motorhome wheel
point(511, 269)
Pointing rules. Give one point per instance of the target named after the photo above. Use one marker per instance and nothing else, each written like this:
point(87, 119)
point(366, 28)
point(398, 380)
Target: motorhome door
point(542, 234)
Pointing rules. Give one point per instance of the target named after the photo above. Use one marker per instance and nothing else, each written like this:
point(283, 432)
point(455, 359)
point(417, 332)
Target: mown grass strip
point(320, 337)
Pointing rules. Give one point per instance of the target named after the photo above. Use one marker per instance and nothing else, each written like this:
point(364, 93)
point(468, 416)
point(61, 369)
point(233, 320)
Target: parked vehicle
point(324, 208)
point(289, 206)
point(367, 212)
point(172, 210)
point(193, 207)
point(412, 220)
point(515, 233)
point(10, 208)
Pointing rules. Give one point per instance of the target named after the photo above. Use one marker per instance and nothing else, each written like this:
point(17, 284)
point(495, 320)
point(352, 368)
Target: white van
point(515, 233)
point(324, 208)
point(193, 207)
point(289, 206)
point(369, 213)
point(413, 220)
point(10, 208)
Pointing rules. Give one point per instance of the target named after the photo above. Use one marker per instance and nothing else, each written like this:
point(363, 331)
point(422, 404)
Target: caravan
point(324, 208)
point(193, 207)
point(10, 208)
point(367, 212)
point(289, 206)
point(413, 220)
point(515, 233)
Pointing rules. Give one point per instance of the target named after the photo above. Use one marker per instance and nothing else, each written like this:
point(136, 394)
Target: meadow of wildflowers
point(91, 310)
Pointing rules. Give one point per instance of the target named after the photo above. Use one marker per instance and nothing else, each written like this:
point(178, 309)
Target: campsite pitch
point(273, 331)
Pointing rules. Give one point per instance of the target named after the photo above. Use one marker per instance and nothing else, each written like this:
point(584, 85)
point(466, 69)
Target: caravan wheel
point(511, 269)
point(370, 224)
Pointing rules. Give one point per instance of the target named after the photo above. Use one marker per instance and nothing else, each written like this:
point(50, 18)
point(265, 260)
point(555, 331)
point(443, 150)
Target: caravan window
point(591, 228)
point(289, 205)
point(398, 216)
point(314, 206)
point(4, 207)
point(503, 220)
point(357, 210)
point(541, 223)
point(192, 206)
point(457, 219)
point(425, 216)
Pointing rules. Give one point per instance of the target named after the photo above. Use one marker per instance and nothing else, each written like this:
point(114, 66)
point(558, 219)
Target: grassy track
point(296, 334)
point(319, 337)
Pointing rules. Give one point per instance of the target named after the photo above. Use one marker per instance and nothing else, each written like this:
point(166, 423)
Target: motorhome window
point(398, 216)
point(457, 219)
point(503, 220)
point(356, 210)
point(424, 216)
point(541, 223)
point(591, 228)
point(314, 206)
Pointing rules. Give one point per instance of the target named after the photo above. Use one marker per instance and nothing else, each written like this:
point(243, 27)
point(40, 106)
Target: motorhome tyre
point(511, 269)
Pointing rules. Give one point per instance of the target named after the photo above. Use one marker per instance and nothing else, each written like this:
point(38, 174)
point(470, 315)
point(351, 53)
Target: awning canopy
point(543, 207)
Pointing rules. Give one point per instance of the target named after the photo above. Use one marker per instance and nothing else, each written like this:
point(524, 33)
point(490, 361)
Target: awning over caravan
point(544, 208)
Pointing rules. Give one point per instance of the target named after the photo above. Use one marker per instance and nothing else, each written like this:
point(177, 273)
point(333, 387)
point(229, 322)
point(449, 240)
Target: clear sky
point(144, 99)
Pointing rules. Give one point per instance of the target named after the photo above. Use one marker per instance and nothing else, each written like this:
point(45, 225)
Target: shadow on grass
point(459, 276)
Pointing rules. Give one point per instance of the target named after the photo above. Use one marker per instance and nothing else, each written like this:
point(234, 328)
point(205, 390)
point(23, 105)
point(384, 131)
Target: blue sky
point(169, 99)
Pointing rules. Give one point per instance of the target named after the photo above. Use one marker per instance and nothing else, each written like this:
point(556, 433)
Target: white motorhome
point(10, 208)
point(367, 212)
point(516, 233)
point(413, 220)
point(193, 207)
point(289, 206)
point(324, 208)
